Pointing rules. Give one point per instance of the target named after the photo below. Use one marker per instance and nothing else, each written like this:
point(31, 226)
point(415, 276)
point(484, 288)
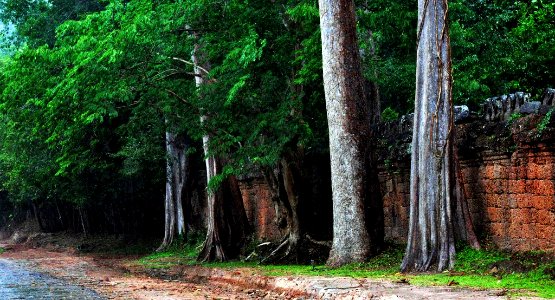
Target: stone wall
point(512, 197)
point(508, 172)
point(260, 209)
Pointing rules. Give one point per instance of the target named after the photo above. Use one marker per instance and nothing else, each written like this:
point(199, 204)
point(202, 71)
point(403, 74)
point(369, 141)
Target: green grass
point(2, 250)
point(472, 269)
point(177, 254)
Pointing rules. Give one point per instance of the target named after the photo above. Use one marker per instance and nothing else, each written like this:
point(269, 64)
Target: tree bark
point(349, 131)
point(176, 179)
point(285, 187)
point(431, 238)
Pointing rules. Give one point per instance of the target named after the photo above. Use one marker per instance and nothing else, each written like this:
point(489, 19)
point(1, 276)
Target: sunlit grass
point(472, 270)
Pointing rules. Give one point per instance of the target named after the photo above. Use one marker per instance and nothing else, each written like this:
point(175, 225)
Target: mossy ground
point(473, 269)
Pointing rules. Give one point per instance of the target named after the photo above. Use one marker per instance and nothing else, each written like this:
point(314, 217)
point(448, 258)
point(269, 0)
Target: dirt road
point(118, 278)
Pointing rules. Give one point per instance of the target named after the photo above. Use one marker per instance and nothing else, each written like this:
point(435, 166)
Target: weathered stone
point(530, 107)
point(461, 112)
point(500, 108)
point(548, 97)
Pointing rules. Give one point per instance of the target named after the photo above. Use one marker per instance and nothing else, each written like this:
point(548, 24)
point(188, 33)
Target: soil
point(118, 277)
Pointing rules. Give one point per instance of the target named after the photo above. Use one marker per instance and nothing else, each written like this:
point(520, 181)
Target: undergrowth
point(473, 269)
point(179, 253)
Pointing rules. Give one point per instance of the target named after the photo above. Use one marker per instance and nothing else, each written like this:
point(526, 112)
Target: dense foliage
point(92, 86)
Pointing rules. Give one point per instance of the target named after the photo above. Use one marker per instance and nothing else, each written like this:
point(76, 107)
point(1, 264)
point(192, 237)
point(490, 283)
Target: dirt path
point(118, 278)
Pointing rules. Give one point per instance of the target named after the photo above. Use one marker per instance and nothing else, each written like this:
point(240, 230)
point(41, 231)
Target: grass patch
point(2, 250)
point(180, 253)
point(473, 269)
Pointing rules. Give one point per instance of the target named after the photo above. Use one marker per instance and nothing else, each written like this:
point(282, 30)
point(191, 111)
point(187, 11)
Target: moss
point(542, 125)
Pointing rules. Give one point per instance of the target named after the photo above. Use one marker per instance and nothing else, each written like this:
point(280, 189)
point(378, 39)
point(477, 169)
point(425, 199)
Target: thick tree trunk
point(212, 249)
point(227, 223)
point(431, 238)
point(349, 131)
point(285, 188)
point(226, 220)
point(176, 178)
point(292, 189)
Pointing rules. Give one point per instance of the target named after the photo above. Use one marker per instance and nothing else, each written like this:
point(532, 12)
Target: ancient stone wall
point(508, 172)
point(260, 209)
point(512, 197)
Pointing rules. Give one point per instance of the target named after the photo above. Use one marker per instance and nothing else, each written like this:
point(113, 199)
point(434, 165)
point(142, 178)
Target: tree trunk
point(349, 131)
point(227, 223)
point(212, 249)
point(176, 178)
point(285, 188)
point(431, 238)
point(226, 220)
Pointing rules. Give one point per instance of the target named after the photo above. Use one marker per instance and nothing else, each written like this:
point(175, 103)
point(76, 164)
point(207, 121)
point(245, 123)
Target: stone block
point(513, 173)
point(492, 200)
point(541, 187)
point(500, 172)
point(531, 107)
point(522, 171)
point(545, 171)
point(520, 232)
point(521, 216)
point(488, 172)
point(495, 186)
point(512, 201)
point(543, 202)
point(545, 232)
point(523, 200)
point(494, 214)
point(516, 187)
point(496, 229)
point(527, 232)
point(545, 217)
point(533, 171)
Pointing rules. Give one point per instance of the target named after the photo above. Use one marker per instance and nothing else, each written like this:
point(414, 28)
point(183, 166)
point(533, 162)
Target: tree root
point(288, 248)
point(285, 242)
point(319, 243)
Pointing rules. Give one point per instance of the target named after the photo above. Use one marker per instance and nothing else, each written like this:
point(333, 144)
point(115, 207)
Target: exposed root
point(320, 243)
point(297, 250)
point(284, 243)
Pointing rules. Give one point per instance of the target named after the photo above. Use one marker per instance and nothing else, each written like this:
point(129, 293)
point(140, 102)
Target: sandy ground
point(118, 278)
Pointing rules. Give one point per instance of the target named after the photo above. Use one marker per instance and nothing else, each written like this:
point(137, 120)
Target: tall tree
point(226, 220)
point(431, 239)
point(177, 171)
point(349, 131)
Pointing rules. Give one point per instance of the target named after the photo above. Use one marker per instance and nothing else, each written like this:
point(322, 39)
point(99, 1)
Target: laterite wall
point(508, 171)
